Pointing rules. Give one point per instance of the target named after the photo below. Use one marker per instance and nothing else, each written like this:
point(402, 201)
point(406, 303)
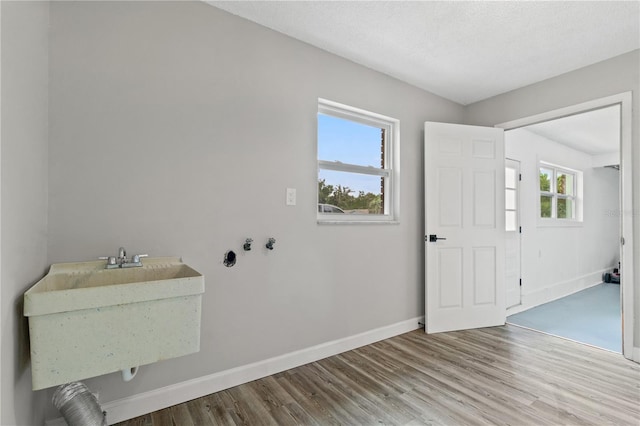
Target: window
point(357, 169)
point(558, 192)
point(511, 179)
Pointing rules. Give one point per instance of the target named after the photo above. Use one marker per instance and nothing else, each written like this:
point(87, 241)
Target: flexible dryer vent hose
point(79, 406)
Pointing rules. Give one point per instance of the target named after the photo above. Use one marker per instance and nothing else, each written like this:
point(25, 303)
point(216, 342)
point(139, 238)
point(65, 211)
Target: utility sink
point(85, 320)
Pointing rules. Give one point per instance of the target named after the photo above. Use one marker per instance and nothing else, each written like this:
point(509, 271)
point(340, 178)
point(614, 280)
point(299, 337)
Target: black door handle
point(433, 238)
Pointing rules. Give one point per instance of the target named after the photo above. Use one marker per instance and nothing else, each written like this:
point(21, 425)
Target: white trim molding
point(147, 402)
point(557, 291)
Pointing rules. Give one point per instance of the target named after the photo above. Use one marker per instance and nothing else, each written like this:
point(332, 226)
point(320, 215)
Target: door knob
point(433, 238)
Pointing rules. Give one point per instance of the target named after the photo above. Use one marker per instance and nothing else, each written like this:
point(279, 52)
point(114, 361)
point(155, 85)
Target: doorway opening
point(574, 192)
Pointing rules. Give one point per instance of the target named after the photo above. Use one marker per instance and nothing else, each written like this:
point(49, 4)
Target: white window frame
point(391, 171)
point(577, 198)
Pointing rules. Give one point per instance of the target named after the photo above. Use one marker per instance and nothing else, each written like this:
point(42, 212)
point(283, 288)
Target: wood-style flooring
point(500, 376)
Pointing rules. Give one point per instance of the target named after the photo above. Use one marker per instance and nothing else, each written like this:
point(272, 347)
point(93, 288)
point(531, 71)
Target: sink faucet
point(121, 261)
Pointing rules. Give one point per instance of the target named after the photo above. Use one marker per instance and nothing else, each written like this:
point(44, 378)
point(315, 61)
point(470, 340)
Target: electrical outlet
point(291, 196)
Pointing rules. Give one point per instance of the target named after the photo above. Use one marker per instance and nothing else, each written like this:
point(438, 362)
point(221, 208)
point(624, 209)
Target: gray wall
point(616, 75)
point(24, 195)
point(176, 129)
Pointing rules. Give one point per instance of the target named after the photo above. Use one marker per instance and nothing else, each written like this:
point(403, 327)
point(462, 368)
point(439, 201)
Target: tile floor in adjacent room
point(591, 316)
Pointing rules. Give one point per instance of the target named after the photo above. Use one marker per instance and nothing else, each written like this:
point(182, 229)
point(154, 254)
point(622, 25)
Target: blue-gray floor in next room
point(590, 316)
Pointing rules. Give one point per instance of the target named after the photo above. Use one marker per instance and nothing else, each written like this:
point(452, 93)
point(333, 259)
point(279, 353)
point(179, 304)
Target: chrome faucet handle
point(136, 257)
point(111, 260)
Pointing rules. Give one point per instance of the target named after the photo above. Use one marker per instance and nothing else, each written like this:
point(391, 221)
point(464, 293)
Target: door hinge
point(520, 176)
point(622, 240)
point(520, 229)
point(520, 282)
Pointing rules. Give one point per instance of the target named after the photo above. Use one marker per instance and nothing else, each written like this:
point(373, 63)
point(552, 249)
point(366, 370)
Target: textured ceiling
point(462, 51)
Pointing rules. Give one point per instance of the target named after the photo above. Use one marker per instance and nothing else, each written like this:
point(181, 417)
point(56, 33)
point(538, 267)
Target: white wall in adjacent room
point(561, 259)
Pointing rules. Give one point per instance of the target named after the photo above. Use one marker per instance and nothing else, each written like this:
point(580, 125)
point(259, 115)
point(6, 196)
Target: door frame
point(626, 198)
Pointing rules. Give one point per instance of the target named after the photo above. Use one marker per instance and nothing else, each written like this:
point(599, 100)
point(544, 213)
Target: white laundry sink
point(85, 320)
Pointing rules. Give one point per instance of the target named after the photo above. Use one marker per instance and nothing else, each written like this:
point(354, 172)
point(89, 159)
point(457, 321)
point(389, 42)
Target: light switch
point(291, 196)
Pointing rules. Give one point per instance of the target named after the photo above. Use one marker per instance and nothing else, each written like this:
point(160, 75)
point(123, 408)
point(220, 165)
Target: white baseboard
point(137, 405)
point(635, 356)
point(556, 291)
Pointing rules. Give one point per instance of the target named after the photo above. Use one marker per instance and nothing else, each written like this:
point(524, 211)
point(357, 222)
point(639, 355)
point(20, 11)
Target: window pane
point(510, 178)
point(510, 221)
point(349, 142)
point(565, 183)
point(545, 206)
point(565, 208)
point(510, 199)
point(545, 179)
point(354, 193)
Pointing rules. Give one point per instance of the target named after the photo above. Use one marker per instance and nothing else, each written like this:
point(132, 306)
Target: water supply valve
point(270, 242)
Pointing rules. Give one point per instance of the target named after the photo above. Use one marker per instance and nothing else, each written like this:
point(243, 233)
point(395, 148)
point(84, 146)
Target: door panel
point(484, 275)
point(484, 198)
point(450, 198)
point(449, 278)
point(464, 203)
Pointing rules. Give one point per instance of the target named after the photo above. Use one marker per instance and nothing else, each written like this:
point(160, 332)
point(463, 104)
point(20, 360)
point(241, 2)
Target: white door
point(513, 231)
point(464, 226)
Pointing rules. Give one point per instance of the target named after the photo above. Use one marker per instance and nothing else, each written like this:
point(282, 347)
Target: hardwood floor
point(501, 375)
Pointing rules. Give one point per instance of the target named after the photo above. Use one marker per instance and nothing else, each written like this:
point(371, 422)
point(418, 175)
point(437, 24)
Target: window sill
point(559, 223)
point(357, 222)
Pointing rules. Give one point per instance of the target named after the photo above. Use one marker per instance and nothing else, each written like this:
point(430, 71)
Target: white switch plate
point(291, 196)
